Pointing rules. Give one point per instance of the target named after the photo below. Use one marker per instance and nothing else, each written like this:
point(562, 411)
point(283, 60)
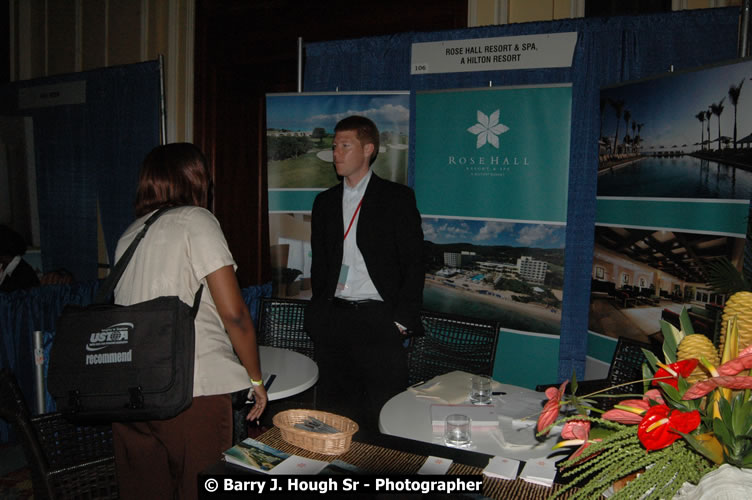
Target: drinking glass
point(481, 390)
point(457, 430)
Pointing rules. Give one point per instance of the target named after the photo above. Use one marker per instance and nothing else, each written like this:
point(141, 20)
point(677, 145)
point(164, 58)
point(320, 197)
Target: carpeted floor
point(15, 478)
point(16, 485)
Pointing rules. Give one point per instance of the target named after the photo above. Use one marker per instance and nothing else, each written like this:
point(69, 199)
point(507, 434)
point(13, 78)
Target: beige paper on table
point(450, 388)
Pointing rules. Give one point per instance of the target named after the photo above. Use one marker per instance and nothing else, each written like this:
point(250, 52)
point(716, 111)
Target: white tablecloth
point(408, 415)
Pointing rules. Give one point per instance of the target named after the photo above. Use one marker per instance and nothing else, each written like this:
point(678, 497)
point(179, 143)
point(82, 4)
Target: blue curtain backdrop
point(608, 51)
point(88, 153)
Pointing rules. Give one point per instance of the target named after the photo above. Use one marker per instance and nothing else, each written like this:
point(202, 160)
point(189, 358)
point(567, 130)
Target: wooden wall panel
point(245, 49)
point(93, 34)
point(61, 33)
point(123, 32)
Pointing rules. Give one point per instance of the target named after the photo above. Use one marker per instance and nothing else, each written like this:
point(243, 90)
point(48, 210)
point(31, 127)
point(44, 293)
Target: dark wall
point(4, 41)
point(245, 49)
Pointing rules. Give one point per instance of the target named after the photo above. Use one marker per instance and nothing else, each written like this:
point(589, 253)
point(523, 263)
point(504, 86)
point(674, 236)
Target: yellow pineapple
point(739, 305)
point(697, 346)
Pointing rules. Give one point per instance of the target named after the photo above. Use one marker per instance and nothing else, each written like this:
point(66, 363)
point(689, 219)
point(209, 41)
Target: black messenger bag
point(124, 363)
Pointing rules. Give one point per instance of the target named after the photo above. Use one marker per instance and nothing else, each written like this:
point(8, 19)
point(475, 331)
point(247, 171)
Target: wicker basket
point(326, 444)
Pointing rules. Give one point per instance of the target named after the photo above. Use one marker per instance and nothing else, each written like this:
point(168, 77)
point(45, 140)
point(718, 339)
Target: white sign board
point(56, 94)
point(554, 50)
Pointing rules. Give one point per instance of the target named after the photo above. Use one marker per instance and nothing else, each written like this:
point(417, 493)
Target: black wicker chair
point(626, 366)
point(280, 324)
point(66, 460)
point(452, 342)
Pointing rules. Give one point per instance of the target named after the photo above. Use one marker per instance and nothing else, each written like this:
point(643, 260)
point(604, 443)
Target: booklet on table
point(260, 457)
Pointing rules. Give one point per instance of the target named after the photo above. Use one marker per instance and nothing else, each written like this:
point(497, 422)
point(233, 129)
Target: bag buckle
point(136, 397)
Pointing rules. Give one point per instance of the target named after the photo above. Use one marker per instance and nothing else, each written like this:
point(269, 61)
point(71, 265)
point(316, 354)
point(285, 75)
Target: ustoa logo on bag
point(114, 335)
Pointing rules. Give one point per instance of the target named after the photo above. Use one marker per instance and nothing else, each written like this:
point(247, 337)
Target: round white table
point(408, 416)
point(294, 372)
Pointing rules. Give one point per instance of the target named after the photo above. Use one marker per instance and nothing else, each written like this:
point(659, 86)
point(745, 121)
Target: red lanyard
point(353, 219)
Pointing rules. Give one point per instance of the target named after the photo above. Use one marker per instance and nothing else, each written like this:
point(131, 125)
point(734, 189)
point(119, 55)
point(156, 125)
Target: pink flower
point(576, 429)
point(736, 365)
point(551, 409)
point(654, 395)
point(629, 411)
point(576, 433)
point(703, 387)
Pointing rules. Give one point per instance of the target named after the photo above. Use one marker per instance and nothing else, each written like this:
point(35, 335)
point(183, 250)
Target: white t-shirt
point(179, 251)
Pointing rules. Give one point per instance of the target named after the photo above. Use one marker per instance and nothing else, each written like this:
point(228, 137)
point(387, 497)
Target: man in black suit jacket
point(367, 279)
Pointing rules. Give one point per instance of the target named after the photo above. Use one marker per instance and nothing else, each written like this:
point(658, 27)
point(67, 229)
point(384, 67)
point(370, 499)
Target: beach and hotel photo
point(511, 272)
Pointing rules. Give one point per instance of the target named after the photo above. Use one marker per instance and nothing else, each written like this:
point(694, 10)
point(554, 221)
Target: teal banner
point(291, 200)
point(491, 180)
point(728, 217)
point(494, 153)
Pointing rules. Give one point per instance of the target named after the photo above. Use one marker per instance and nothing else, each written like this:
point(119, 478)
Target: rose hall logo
point(488, 129)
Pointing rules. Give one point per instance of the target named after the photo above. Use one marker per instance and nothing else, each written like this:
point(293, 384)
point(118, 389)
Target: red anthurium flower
point(629, 411)
point(703, 387)
point(659, 427)
point(551, 409)
point(670, 373)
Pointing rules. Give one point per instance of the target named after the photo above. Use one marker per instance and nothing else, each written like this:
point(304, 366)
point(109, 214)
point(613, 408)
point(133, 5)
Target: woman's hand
point(223, 286)
point(259, 394)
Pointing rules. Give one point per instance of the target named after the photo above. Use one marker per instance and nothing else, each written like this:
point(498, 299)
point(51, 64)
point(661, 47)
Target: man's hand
point(401, 328)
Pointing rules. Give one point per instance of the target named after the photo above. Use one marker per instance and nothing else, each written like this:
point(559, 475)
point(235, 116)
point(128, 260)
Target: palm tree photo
point(701, 117)
point(733, 93)
point(717, 109)
point(618, 105)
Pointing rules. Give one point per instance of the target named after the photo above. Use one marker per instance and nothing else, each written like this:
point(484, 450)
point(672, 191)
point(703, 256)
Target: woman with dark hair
point(182, 250)
point(15, 272)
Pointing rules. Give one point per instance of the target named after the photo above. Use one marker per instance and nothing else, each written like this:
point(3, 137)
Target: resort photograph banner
point(491, 180)
point(299, 134)
point(674, 184)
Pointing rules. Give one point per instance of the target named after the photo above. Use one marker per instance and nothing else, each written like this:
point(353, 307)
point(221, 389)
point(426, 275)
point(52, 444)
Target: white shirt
point(179, 251)
point(358, 285)
point(8, 270)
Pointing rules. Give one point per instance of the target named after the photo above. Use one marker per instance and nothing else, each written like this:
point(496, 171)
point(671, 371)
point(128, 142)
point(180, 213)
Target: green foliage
point(318, 133)
point(685, 323)
point(734, 429)
point(662, 472)
point(648, 369)
point(514, 286)
point(284, 147)
point(723, 277)
point(671, 339)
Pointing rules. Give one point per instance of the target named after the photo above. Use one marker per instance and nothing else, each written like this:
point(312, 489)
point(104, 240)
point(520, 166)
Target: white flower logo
point(488, 129)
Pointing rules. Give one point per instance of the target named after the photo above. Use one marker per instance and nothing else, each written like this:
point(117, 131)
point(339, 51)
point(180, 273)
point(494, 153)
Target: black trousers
point(362, 363)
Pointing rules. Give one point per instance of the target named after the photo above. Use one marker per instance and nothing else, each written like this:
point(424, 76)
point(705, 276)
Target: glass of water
point(481, 390)
point(457, 430)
